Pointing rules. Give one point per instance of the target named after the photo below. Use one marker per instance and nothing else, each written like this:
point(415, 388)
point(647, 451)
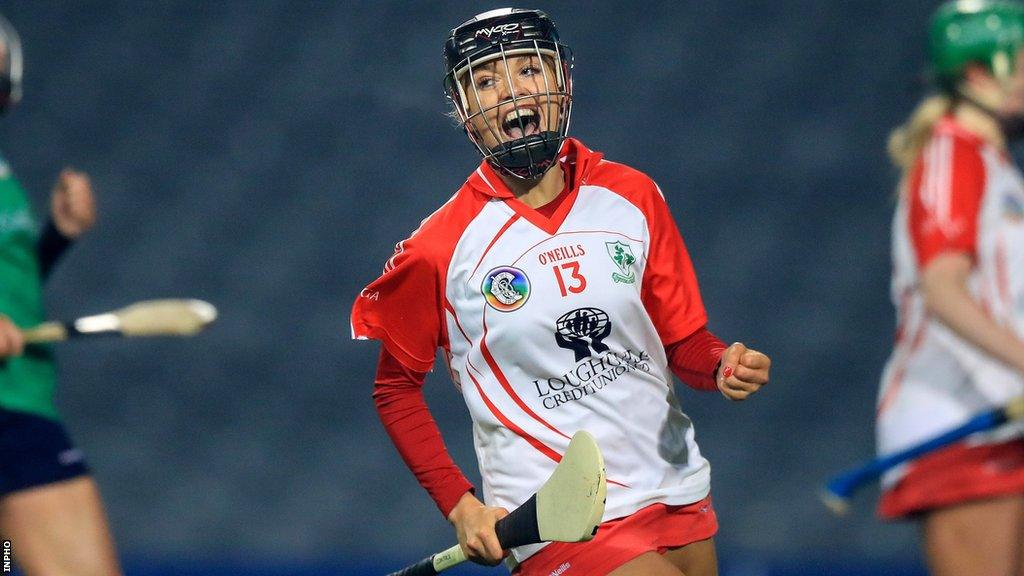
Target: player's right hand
point(743, 371)
point(474, 525)
point(12, 343)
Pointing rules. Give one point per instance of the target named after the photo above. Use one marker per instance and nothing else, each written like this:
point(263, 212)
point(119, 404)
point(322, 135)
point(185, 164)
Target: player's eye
point(485, 82)
point(530, 71)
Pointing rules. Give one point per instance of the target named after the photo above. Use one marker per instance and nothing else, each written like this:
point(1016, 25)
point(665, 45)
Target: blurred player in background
point(50, 508)
point(958, 285)
point(560, 289)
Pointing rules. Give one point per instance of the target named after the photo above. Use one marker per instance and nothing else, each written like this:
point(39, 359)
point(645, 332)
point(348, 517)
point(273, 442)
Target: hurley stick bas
point(168, 317)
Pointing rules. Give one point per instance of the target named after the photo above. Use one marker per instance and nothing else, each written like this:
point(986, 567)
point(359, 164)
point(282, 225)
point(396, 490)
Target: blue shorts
point(35, 451)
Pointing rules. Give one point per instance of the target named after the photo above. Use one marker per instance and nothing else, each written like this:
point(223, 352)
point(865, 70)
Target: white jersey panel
point(548, 335)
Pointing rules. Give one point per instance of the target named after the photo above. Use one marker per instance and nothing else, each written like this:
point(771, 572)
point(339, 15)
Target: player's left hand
point(743, 371)
point(72, 205)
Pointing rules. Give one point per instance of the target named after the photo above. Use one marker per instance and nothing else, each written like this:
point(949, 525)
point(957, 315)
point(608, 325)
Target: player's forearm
point(947, 298)
point(398, 396)
point(404, 413)
point(694, 359)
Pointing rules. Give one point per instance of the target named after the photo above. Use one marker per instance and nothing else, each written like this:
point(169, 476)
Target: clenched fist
point(742, 372)
point(72, 205)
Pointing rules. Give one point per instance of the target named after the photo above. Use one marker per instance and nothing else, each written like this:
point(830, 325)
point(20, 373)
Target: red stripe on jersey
point(1002, 280)
point(946, 188)
point(501, 231)
point(901, 322)
point(451, 310)
point(446, 345)
point(540, 446)
point(896, 381)
point(901, 333)
point(493, 364)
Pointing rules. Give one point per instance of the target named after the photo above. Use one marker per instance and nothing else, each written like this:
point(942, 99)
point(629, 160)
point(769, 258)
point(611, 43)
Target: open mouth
point(521, 122)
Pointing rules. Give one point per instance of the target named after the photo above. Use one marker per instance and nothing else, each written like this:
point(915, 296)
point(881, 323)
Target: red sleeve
point(398, 395)
point(670, 292)
point(946, 189)
point(695, 359)
point(403, 308)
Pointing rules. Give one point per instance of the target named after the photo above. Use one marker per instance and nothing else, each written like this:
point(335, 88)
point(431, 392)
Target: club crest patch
point(506, 288)
point(622, 255)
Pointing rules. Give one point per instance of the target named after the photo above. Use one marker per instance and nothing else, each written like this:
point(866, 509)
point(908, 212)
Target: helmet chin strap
point(1011, 125)
point(527, 158)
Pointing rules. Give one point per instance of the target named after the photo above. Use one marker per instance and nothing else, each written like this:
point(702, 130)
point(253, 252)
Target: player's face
point(531, 80)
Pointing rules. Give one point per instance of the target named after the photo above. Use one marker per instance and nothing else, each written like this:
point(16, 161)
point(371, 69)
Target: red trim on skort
point(956, 475)
point(656, 528)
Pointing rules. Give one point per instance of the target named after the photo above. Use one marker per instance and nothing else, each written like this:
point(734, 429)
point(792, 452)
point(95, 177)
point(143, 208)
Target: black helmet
point(524, 149)
point(10, 66)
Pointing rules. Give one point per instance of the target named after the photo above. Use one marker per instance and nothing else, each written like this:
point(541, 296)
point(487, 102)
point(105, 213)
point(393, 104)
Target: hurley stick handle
point(46, 332)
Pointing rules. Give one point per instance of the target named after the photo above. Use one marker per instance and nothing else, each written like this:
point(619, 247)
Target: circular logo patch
point(506, 288)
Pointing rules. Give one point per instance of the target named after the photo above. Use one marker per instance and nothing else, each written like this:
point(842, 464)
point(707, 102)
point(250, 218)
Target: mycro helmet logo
point(506, 288)
point(499, 29)
point(583, 329)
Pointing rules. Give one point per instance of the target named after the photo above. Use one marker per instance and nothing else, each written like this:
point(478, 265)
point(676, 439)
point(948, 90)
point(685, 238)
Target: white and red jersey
point(552, 325)
point(963, 195)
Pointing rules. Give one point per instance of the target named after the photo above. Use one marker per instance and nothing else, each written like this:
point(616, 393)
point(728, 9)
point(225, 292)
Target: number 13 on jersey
point(569, 278)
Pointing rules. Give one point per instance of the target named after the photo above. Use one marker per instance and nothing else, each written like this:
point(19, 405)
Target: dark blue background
point(266, 156)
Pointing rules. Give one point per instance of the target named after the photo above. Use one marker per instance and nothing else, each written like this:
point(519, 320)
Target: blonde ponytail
point(907, 140)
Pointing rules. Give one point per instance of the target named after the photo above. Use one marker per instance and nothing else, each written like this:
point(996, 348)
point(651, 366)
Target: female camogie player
point(50, 509)
point(958, 285)
point(563, 296)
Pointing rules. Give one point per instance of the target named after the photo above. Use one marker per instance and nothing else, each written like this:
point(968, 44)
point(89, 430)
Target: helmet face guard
point(534, 121)
point(10, 66)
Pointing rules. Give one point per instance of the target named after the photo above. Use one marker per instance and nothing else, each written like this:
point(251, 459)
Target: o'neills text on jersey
point(561, 253)
point(590, 376)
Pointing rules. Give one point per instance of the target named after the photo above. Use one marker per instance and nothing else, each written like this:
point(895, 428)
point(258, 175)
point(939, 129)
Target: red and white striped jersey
point(552, 325)
point(962, 195)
